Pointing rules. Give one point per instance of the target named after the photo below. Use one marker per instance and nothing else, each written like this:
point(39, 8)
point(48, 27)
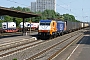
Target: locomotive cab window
point(47, 23)
point(42, 23)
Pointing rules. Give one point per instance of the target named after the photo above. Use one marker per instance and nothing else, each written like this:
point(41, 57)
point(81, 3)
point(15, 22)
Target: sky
point(80, 9)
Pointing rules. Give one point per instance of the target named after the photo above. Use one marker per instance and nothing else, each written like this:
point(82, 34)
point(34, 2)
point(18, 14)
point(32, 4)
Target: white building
point(42, 5)
point(33, 6)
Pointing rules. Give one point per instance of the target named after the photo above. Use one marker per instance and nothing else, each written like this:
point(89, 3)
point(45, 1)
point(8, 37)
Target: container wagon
point(9, 27)
point(61, 27)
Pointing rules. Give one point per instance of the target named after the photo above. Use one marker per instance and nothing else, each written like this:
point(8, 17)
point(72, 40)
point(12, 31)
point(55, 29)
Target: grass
point(14, 59)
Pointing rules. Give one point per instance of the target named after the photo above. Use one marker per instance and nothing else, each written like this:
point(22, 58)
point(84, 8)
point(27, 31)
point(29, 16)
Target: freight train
point(53, 28)
point(10, 27)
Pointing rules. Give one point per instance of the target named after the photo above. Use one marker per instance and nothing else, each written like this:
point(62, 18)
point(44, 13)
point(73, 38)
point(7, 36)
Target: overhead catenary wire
point(71, 10)
point(66, 9)
point(17, 2)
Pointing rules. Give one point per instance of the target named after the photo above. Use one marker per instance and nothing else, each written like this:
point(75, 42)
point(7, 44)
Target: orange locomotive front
point(47, 28)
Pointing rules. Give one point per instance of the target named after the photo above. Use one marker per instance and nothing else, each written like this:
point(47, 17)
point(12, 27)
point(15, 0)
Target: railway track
point(64, 47)
point(15, 34)
point(44, 55)
point(16, 46)
point(11, 44)
point(30, 46)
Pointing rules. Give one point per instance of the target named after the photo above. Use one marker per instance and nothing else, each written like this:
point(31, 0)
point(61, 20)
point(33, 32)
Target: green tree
point(25, 9)
point(1, 23)
point(49, 13)
point(68, 17)
point(8, 18)
point(17, 20)
point(19, 8)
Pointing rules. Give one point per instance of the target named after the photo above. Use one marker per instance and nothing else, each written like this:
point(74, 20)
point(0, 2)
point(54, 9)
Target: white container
point(27, 24)
point(8, 25)
point(34, 25)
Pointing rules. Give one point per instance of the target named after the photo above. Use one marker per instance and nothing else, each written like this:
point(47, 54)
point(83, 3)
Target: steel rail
point(61, 50)
point(38, 54)
point(10, 52)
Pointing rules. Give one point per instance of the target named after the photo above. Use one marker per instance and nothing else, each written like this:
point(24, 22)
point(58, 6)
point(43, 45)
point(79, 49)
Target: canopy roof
point(15, 13)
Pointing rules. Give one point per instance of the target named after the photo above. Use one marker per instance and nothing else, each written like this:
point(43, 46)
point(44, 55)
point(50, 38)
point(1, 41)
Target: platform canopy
point(15, 13)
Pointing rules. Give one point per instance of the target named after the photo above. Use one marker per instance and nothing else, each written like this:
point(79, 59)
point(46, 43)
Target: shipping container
point(60, 26)
point(8, 25)
point(28, 25)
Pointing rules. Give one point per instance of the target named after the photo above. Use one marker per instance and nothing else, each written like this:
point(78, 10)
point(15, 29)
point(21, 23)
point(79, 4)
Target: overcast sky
point(80, 9)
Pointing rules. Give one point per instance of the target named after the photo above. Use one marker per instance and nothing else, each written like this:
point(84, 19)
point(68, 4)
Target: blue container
point(60, 26)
